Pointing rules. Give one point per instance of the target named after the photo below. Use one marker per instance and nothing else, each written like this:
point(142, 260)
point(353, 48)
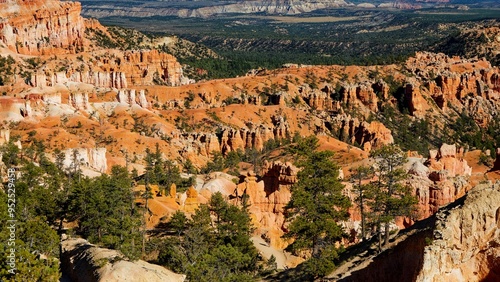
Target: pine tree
point(390, 196)
point(214, 246)
point(105, 211)
point(358, 175)
point(316, 206)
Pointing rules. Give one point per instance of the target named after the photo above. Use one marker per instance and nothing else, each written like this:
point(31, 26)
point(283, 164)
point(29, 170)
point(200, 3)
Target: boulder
point(419, 169)
point(84, 262)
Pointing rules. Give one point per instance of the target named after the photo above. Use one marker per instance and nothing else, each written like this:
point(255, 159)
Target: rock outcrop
point(51, 27)
point(362, 93)
point(198, 144)
point(37, 27)
point(150, 65)
point(466, 240)
point(130, 98)
point(417, 105)
point(94, 158)
point(447, 161)
point(117, 69)
point(14, 109)
point(367, 135)
point(460, 243)
point(79, 101)
point(440, 180)
point(232, 139)
point(471, 84)
point(191, 202)
point(99, 78)
point(267, 199)
point(84, 262)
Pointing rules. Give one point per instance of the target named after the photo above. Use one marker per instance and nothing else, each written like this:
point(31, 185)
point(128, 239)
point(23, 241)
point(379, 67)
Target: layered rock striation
point(439, 180)
point(245, 7)
point(37, 27)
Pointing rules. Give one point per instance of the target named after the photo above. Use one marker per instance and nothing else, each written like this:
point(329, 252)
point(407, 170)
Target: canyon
point(101, 107)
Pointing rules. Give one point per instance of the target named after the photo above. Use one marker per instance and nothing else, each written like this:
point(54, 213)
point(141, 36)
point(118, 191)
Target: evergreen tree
point(315, 208)
point(212, 250)
point(35, 211)
point(106, 213)
point(178, 222)
point(390, 197)
point(360, 174)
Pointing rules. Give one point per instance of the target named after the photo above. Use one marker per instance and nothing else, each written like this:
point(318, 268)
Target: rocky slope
point(459, 243)
point(466, 243)
point(56, 32)
point(81, 261)
point(475, 39)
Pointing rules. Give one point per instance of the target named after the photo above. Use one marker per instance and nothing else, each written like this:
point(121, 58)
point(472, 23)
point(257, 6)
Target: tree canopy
point(389, 195)
point(316, 207)
point(214, 244)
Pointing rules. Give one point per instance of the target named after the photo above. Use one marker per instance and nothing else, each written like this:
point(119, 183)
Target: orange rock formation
point(37, 27)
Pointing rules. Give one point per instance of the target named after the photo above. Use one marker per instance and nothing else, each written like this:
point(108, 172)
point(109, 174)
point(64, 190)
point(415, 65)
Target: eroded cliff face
point(459, 243)
point(37, 27)
point(440, 180)
point(114, 69)
point(14, 109)
point(267, 199)
point(50, 28)
point(466, 240)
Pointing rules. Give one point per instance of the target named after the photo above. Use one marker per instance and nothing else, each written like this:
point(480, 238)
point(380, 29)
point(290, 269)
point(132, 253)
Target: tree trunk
point(362, 211)
point(379, 231)
point(386, 229)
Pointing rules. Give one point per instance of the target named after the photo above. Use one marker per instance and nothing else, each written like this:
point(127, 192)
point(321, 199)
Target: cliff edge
point(459, 243)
